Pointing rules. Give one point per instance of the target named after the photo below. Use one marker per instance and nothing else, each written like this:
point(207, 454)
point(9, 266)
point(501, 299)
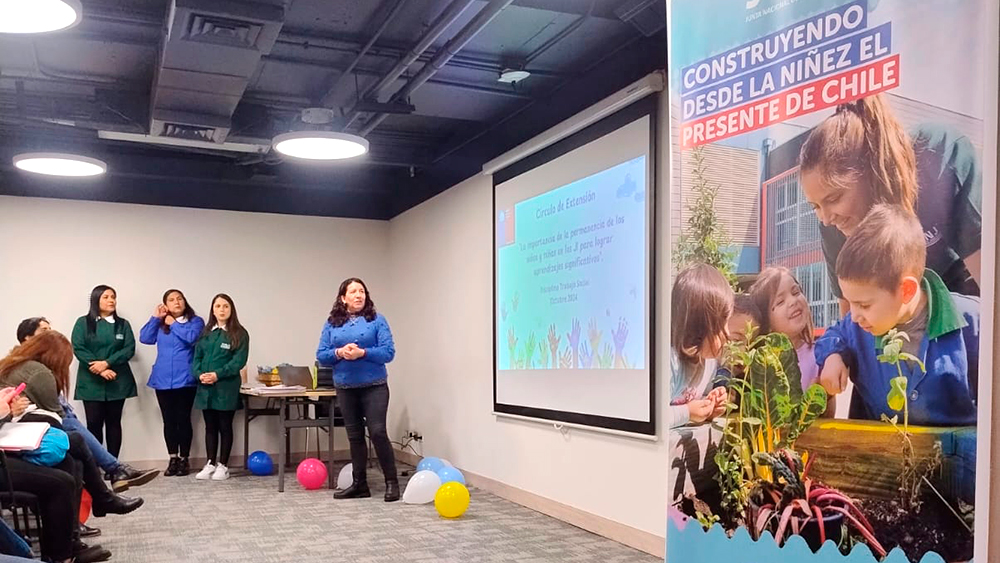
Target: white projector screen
point(573, 236)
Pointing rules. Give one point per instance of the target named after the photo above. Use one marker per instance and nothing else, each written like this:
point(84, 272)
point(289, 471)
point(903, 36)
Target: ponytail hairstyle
point(863, 144)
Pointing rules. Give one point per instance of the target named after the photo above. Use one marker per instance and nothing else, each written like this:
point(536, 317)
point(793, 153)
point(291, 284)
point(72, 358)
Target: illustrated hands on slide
point(586, 357)
point(554, 344)
point(573, 336)
point(529, 350)
point(566, 359)
point(516, 300)
point(519, 360)
point(543, 354)
point(606, 358)
point(511, 343)
point(620, 336)
point(503, 310)
point(594, 334)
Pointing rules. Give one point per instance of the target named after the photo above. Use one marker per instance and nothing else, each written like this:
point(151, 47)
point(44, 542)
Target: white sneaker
point(205, 473)
point(221, 473)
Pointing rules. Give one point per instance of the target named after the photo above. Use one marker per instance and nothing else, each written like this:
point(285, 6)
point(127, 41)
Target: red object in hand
point(17, 392)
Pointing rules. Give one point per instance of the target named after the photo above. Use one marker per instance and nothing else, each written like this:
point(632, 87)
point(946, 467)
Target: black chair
point(21, 505)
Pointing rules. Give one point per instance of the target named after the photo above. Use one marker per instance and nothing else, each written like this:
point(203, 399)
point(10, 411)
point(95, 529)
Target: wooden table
point(285, 402)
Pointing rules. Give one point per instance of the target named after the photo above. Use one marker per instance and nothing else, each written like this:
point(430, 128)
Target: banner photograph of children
point(828, 230)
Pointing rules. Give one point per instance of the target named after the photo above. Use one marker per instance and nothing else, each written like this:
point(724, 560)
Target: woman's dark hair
point(863, 143)
point(95, 309)
point(188, 309)
point(29, 327)
point(339, 314)
point(233, 327)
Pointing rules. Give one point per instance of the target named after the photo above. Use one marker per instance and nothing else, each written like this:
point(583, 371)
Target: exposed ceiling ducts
point(210, 51)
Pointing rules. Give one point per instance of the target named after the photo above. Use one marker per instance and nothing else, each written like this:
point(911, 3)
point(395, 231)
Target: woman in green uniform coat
point(219, 356)
point(104, 344)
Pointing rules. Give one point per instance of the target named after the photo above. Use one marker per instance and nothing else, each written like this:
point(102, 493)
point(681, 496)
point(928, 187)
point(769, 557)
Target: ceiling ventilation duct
point(648, 16)
point(210, 51)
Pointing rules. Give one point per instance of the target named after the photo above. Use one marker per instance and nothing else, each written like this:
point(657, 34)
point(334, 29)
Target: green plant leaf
point(805, 413)
point(897, 393)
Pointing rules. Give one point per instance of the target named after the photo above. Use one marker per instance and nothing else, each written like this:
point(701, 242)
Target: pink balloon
point(311, 473)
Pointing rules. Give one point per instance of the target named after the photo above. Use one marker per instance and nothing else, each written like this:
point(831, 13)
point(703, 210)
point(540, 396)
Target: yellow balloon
point(451, 499)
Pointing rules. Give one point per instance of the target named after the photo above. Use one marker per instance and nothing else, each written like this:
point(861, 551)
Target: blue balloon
point(449, 474)
point(430, 464)
point(260, 463)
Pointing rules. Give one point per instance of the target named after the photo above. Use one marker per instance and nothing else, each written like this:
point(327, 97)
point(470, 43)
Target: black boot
point(88, 531)
point(183, 467)
point(391, 491)
point(356, 490)
point(127, 476)
point(172, 467)
point(115, 504)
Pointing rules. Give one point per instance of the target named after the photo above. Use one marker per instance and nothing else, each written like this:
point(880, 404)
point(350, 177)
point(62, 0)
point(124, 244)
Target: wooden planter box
point(864, 458)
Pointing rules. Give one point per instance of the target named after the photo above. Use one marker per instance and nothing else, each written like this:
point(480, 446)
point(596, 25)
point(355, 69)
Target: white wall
point(441, 316)
point(282, 272)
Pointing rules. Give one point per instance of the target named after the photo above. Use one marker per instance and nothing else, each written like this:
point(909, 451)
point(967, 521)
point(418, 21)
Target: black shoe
point(117, 505)
point(131, 477)
point(83, 553)
point(356, 490)
point(172, 467)
point(88, 532)
point(391, 491)
point(183, 467)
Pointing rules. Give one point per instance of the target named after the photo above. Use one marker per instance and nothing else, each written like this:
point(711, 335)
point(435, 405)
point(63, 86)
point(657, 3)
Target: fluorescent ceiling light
point(511, 76)
point(38, 16)
point(320, 145)
point(59, 164)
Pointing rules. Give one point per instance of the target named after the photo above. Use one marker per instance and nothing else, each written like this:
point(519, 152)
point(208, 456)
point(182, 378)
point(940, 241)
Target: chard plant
point(768, 413)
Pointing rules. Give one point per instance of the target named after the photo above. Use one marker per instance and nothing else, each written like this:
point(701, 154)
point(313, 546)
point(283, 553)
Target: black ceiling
point(116, 70)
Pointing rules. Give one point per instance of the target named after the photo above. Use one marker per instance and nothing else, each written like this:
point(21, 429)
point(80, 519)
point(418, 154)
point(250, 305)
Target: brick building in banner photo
point(761, 204)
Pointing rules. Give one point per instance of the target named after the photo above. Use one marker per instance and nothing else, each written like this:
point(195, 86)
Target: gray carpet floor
point(246, 520)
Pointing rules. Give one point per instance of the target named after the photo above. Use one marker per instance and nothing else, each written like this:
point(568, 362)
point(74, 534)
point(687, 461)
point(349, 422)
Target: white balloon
point(346, 476)
point(446, 462)
point(422, 487)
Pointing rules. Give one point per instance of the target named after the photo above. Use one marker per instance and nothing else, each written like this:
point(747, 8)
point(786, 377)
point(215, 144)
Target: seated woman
point(121, 475)
point(42, 364)
point(57, 492)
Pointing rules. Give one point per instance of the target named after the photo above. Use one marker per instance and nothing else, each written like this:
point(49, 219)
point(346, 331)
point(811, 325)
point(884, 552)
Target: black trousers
point(218, 424)
point(175, 406)
point(106, 414)
point(367, 406)
point(89, 472)
point(58, 492)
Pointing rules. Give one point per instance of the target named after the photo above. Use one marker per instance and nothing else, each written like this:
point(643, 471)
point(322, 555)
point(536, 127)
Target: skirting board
point(616, 531)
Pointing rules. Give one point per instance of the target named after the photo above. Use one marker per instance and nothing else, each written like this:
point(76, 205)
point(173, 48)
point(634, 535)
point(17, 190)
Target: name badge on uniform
point(119, 337)
point(224, 346)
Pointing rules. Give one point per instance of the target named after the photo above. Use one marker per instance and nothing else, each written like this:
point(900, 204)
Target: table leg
point(246, 432)
point(330, 464)
point(287, 415)
point(282, 452)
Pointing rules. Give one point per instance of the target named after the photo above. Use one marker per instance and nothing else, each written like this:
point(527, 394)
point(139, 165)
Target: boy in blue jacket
point(881, 271)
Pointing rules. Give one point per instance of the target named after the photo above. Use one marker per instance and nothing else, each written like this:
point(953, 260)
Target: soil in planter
point(935, 528)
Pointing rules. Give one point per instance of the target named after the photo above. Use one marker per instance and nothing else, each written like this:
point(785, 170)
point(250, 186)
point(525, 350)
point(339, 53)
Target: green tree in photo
point(704, 238)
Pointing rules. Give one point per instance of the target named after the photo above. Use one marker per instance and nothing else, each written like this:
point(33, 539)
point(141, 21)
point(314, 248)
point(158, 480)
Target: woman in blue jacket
point(357, 342)
point(174, 328)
